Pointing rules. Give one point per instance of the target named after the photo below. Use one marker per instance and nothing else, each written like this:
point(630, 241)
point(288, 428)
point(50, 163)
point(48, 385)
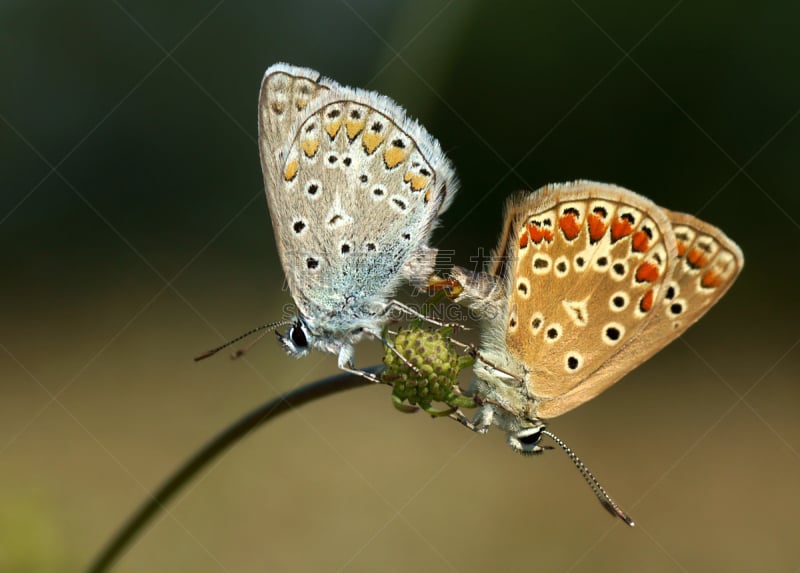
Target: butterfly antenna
point(263, 329)
point(598, 490)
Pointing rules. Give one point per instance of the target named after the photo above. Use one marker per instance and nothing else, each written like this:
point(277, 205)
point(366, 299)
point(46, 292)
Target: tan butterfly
point(588, 281)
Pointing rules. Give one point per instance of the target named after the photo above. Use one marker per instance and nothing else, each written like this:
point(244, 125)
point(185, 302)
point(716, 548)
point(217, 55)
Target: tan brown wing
point(585, 272)
point(708, 263)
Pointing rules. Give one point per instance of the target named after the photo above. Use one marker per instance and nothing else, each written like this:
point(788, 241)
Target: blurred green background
point(135, 234)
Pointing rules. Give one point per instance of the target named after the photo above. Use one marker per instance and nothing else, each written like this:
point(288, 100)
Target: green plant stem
point(221, 442)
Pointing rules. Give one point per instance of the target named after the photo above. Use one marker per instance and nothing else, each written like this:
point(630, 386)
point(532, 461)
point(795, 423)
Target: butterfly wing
point(354, 189)
point(707, 264)
point(286, 92)
point(585, 267)
point(702, 264)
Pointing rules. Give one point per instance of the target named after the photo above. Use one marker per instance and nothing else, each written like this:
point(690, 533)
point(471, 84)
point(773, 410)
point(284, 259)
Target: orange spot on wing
point(620, 228)
point(393, 156)
point(647, 301)
point(310, 147)
point(418, 182)
point(681, 247)
point(569, 225)
point(711, 280)
point(427, 195)
point(291, 170)
point(538, 233)
point(596, 227)
point(646, 273)
point(640, 241)
point(523, 241)
point(332, 128)
point(371, 141)
point(354, 127)
point(696, 258)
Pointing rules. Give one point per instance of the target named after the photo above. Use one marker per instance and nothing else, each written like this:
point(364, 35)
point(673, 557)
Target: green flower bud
point(430, 370)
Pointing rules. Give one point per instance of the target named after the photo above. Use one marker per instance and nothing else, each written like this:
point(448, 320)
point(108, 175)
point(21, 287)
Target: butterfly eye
point(298, 336)
point(529, 439)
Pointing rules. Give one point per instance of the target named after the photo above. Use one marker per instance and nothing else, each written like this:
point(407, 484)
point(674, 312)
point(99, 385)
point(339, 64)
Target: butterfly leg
point(345, 362)
point(408, 311)
point(366, 375)
point(480, 424)
point(397, 353)
point(474, 354)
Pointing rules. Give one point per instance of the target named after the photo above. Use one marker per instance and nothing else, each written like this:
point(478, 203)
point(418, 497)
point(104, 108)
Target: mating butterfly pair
point(588, 280)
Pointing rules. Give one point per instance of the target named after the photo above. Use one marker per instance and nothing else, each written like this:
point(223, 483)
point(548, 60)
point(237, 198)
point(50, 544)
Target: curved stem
point(221, 442)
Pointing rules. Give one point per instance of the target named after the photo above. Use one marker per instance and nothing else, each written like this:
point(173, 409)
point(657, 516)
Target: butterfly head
point(523, 431)
point(297, 340)
point(527, 441)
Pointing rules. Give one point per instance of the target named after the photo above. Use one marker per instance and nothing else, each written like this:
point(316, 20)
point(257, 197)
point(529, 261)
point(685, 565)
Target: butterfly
point(354, 189)
point(588, 281)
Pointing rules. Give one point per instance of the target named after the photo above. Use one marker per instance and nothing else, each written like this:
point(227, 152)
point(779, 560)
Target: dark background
point(135, 234)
